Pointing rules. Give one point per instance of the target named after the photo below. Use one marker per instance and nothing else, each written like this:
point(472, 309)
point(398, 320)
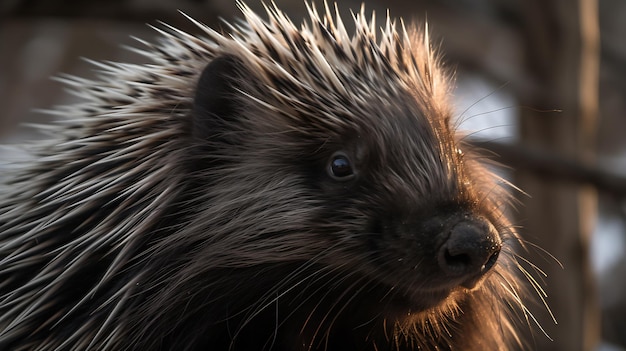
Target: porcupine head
point(273, 188)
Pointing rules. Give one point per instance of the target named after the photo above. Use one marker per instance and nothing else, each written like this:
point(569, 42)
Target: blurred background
point(540, 85)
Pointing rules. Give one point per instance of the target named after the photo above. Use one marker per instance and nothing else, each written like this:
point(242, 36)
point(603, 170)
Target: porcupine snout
point(470, 250)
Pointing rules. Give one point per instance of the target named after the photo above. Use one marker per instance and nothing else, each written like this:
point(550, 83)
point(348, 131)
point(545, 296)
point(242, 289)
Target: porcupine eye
point(340, 167)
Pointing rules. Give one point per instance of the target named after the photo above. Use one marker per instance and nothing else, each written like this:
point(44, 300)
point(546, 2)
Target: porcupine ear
point(215, 105)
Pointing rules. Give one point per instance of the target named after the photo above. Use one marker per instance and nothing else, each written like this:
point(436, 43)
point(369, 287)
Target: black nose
point(470, 250)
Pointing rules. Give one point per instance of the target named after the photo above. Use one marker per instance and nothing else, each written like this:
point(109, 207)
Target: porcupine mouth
point(404, 296)
point(421, 300)
point(399, 296)
point(404, 292)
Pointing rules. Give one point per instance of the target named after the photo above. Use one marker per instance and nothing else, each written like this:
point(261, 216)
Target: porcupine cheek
point(430, 259)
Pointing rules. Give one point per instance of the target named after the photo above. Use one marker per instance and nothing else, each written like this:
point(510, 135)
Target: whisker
point(527, 312)
point(460, 118)
point(543, 251)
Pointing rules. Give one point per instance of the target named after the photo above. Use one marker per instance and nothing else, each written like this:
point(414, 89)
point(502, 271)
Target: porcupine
point(277, 188)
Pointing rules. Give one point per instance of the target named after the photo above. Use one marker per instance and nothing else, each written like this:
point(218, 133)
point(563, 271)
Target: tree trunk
point(562, 42)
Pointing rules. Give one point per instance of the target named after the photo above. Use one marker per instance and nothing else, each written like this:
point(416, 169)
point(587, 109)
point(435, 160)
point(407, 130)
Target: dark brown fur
point(292, 190)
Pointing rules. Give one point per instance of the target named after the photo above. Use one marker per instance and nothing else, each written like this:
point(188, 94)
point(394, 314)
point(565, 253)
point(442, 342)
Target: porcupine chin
point(272, 189)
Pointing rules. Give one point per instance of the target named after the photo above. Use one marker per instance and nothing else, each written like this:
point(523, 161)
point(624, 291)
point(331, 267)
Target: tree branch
point(551, 165)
